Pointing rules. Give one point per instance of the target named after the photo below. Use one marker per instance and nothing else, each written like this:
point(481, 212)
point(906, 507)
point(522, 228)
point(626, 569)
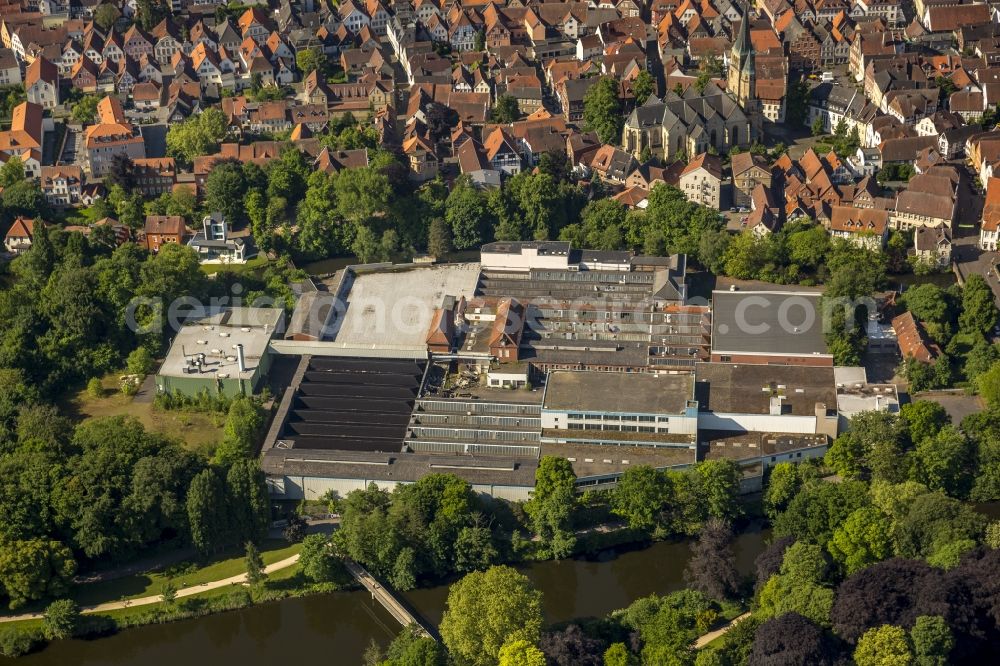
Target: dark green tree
point(439, 238)
point(246, 490)
point(254, 565)
point(506, 109)
point(208, 514)
point(643, 86)
point(602, 110)
point(979, 310)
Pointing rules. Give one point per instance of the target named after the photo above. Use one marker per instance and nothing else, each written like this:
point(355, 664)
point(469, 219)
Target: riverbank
point(126, 603)
point(300, 626)
point(137, 600)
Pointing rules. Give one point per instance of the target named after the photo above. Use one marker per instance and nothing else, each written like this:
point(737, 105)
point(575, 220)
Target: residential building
point(749, 171)
point(913, 341)
point(932, 246)
point(422, 159)
point(865, 227)
point(41, 83)
point(24, 138)
point(62, 185)
point(701, 181)
point(163, 229)
point(216, 245)
point(112, 135)
point(10, 68)
point(20, 235)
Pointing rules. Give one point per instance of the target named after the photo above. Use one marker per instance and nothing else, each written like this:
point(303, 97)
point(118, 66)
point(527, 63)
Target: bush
point(16, 642)
point(60, 619)
point(140, 362)
point(202, 402)
point(295, 530)
point(95, 389)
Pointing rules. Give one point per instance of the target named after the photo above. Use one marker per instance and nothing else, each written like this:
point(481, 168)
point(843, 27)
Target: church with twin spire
point(699, 120)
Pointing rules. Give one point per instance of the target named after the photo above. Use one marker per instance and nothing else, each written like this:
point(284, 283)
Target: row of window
point(615, 417)
point(613, 428)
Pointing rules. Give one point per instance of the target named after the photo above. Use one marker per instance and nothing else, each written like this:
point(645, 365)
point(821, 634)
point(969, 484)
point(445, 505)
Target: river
point(336, 628)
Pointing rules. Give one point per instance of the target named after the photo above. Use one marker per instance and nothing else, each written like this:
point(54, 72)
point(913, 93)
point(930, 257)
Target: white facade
point(526, 256)
point(804, 425)
point(988, 239)
point(673, 424)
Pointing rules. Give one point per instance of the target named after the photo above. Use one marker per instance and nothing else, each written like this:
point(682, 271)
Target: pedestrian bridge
point(388, 600)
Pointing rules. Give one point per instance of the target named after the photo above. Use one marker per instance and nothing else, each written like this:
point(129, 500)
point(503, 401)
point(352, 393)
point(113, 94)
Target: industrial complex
point(540, 349)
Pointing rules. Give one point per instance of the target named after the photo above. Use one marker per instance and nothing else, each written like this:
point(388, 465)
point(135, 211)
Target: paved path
point(712, 635)
point(145, 601)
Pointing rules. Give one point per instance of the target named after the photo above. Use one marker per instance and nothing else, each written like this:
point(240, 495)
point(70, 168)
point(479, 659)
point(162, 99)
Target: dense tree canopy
point(677, 502)
point(199, 135)
point(424, 530)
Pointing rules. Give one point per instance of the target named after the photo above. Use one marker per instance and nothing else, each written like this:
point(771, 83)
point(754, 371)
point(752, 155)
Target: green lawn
point(148, 584)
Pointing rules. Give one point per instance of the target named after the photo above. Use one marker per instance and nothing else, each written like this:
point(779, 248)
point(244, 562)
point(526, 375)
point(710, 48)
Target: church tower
point(742, 74)
point(742, 82)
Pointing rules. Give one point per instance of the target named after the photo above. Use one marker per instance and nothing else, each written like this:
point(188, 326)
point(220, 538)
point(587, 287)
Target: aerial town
point(500, 332)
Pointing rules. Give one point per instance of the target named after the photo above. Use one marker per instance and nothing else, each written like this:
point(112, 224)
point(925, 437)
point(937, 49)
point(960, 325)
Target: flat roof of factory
point(217, 336)
point(618, 392)
point(768, 322)
point(393, 308)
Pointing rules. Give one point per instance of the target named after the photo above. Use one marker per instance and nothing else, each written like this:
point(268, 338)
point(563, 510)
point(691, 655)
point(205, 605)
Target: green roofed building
point(224, 353)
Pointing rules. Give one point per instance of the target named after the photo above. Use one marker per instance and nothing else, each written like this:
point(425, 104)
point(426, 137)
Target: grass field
point(148, 584)
point(200, 431)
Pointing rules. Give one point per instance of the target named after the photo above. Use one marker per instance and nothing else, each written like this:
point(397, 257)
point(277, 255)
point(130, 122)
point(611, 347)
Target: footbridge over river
point(388, 599)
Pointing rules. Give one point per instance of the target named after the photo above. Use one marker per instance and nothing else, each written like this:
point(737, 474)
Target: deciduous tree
point(884, 646)
point(34, 569)
point(643, 86)
point(791, 639)
point(207, 512)
point(506, 110)
point(932, 640)
point(318, 560)
point(60, 619)
point(572, 647)
point(488, 609)
point(640, 496)
point(521, 653)
point(862, 540)
point(979, 310)
point(711, 568)
point(467, 213)
point(198, 135)
point(602, 110)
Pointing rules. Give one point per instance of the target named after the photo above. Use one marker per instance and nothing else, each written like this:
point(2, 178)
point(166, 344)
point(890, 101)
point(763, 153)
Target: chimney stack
point(241, 360)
